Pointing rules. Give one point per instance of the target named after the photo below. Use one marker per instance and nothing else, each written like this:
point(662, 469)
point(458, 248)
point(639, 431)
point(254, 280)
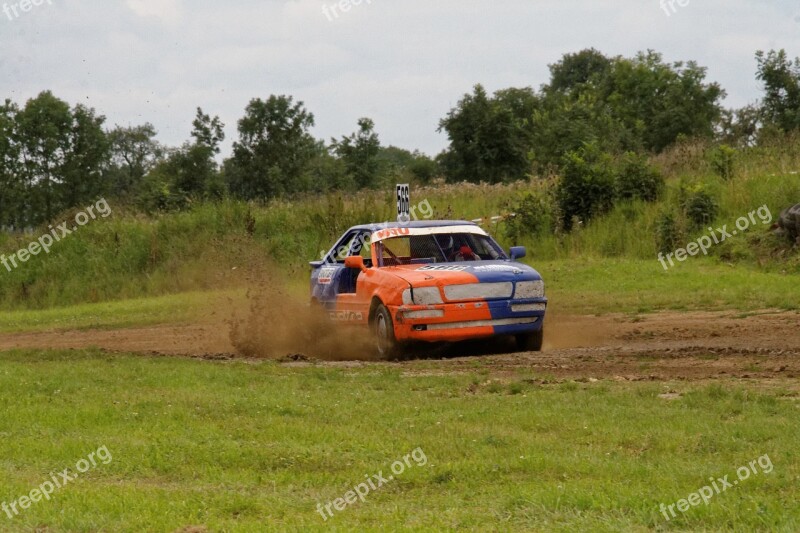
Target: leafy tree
point(62, 154)
point(624, 104)
point(490, 138)
point(660, 102)
point(43, 130)
point(740, 127)
point(83, 178)
point(134, 153)
point(403, 164)
point(195, 167)
point(574, 71)
point(423, 168)
point(618, 104)
point(273, 150)
point(781, 78)
point(325, 173)
point(566, 122)
point(359, 152)
point(12, 197)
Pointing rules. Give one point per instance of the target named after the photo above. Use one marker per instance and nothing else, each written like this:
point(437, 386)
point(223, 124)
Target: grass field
point(243, 446)
point(253, 445)
point(212, 247)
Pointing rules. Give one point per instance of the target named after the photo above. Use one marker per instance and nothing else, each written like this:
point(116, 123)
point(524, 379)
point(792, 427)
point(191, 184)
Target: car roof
point(413, 224)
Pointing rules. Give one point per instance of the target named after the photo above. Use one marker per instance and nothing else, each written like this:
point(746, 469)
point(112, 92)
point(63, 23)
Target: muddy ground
point(654, 347)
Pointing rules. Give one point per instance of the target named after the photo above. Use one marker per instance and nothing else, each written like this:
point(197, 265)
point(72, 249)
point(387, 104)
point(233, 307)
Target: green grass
point(108, 315)
point(598, 286)
point(216, 246)
point(254, 447)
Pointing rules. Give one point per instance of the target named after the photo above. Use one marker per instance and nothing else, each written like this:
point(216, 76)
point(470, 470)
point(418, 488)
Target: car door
point(326, 274)
point(352, 305)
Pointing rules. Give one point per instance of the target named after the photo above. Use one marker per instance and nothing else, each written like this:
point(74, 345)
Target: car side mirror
point(518, 252)
point(355, 261)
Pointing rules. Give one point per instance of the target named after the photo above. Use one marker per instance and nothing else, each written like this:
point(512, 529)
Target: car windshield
point(440, 248)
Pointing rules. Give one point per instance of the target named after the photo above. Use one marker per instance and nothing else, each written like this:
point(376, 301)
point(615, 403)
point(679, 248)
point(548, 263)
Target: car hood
point(462, 273)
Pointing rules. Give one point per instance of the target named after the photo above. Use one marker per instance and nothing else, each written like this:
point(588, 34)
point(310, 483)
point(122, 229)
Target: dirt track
point(690, 346)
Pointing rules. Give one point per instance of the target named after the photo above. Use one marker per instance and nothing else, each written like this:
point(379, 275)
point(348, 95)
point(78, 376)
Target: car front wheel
point(531, 342)
point(383, 328)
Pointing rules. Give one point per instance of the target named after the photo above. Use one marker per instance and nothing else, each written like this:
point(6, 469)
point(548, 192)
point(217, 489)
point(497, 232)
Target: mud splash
point(277, 324)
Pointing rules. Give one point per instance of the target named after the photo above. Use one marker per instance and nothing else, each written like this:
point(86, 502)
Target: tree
point(273, 150)
point(324, 172)
point(740, 127)
point(43, 130)
point(134, 153)
point(622, 105)
point(62, 153)
point(402, 165)
point(83, 178)
point(565, 123)
point(781, 78)
point(12, 197)
point(661, 102)
point(195, 167)
point(574, 71)
point(359, 152)
point(490, 138)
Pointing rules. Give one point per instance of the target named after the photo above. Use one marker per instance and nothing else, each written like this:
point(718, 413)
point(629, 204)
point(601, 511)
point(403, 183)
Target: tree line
point(54, 157)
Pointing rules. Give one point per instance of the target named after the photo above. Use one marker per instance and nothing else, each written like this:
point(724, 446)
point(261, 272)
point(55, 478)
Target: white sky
point(403, 63)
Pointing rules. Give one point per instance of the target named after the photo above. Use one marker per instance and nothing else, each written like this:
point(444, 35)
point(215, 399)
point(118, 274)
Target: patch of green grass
point(592, 285)
point(126, 313)
point(239, 446)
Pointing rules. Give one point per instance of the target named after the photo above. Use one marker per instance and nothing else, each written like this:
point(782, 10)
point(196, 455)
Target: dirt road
point(662, 346)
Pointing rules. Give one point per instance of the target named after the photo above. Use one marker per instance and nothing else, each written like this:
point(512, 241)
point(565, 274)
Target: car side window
point(343, 247)
point(361, 246)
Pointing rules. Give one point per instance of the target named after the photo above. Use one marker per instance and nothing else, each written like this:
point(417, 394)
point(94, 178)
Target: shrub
point(533, 214)
point(587, 186)
point(699, 205)
point(637, 179)
point(668, 232)
point(723, 160)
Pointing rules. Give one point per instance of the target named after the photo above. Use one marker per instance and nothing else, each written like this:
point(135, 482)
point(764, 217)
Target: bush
point(668, 232)
point(532, 215)
point(637, 179)
point(587, 186)
point(723, 160)
point(699, 205)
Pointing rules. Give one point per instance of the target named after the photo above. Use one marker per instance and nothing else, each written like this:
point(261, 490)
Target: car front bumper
point(453, 322)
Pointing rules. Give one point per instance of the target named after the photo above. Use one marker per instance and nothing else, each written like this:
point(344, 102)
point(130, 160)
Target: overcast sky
point(403, 63)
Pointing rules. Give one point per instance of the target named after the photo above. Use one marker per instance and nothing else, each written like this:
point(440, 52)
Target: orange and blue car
point(429, 281)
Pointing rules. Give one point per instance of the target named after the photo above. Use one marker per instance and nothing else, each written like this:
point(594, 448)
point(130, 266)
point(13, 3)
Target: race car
point(431, 281)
